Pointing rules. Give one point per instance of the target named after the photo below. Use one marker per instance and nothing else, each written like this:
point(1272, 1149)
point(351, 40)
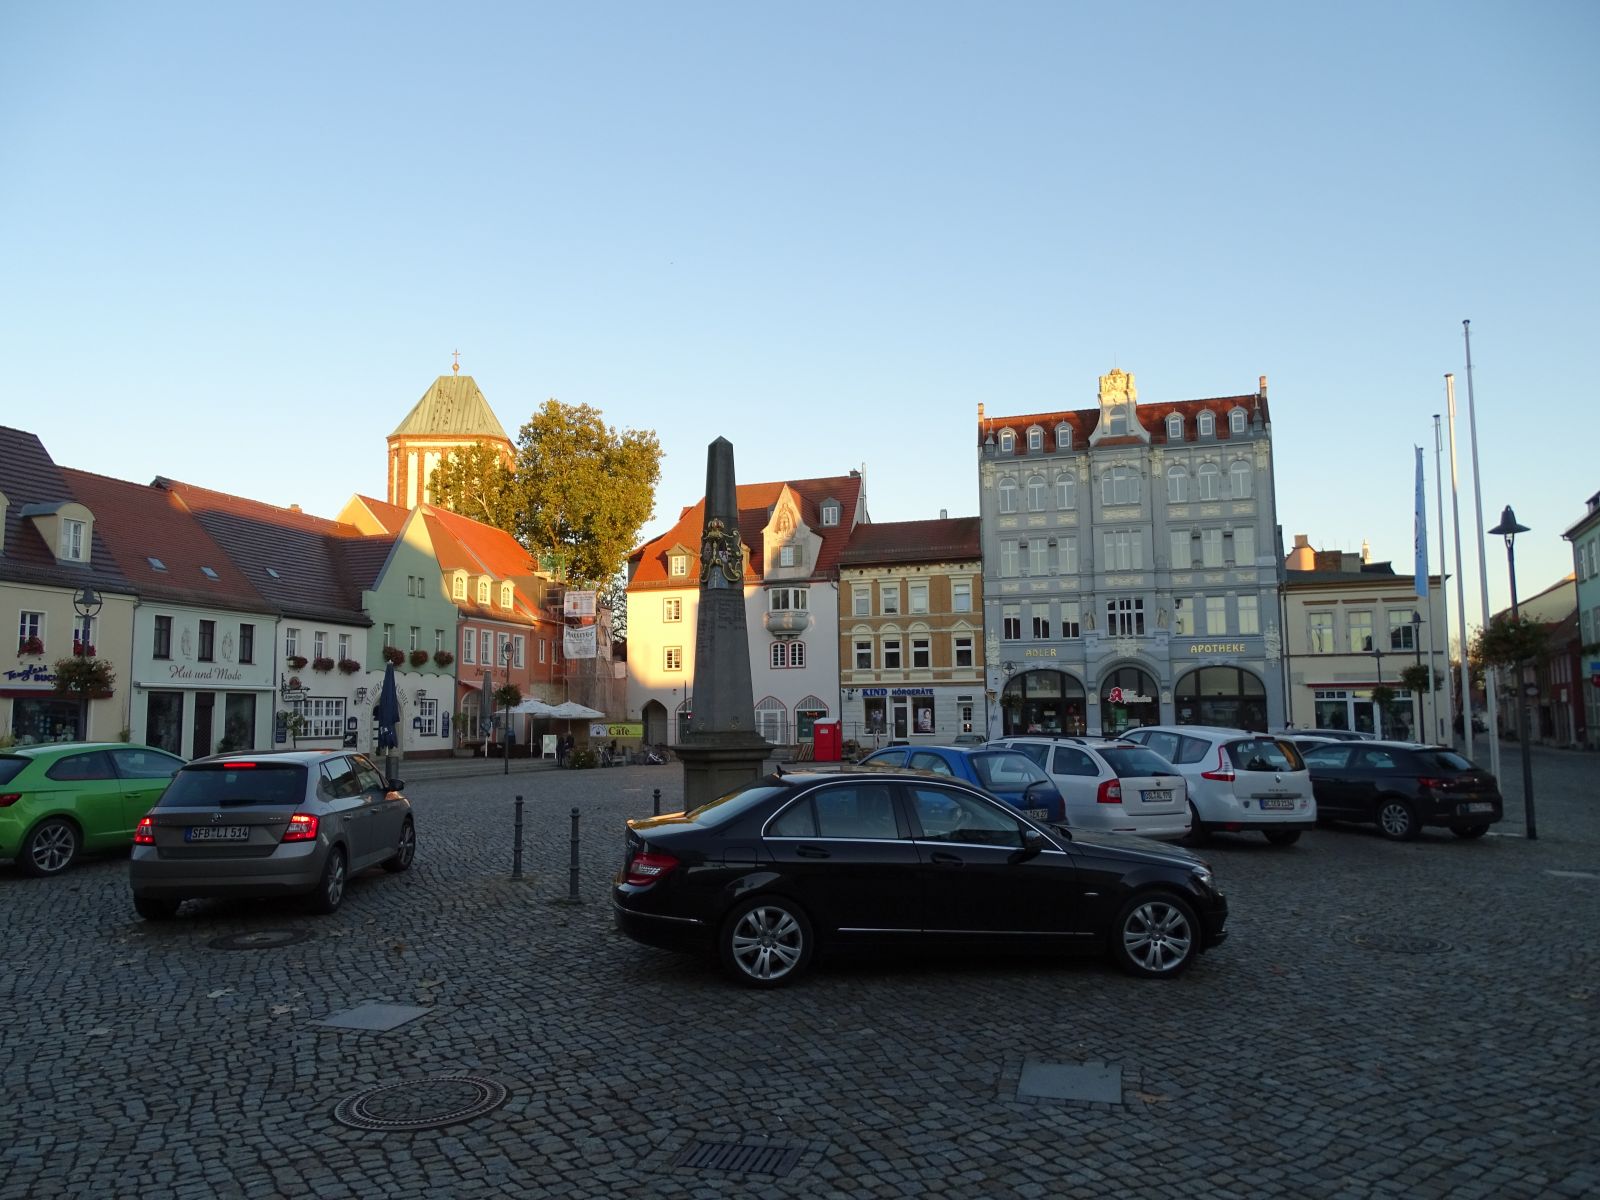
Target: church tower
point(451, 415)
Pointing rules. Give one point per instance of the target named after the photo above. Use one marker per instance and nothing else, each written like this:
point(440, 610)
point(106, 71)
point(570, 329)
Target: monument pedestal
point(716, 763)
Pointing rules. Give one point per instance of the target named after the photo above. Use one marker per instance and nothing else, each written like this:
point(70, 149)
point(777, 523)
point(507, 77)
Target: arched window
point(1063, 436)
point(1174, 428)
point(797, 654)
point(1036, 490)
point(1008, 495)
point(780, 655)
point(458, 589)
point(505, 595)
point(1207, 424)
point(1035, 440)
point(1120, 485)
point(1239, 479)
point(1177, 485)
point(483, 591)
point(1236, 421)
point(1210, 481)
point(1008, 442)
point(1066, 491)
point(770, 718)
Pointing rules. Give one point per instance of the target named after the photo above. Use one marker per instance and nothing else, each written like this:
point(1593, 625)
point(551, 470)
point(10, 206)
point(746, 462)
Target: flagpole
point(1427, 707)
point(1461, 582)
point(1444, 587)
point(1483, 568)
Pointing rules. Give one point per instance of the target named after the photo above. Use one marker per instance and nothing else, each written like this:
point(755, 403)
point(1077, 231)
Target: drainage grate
point(1397, 943)
point(429, 1103)
point(260, 939)
point(747, 1158)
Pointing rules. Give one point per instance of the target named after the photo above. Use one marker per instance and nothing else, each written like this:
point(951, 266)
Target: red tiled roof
point(945, 540)
point(1152, 415)
point(462, 544)
point(32, 477)
point(755, 501)
point(293, 558)
point(142, 522)
point(391, 516)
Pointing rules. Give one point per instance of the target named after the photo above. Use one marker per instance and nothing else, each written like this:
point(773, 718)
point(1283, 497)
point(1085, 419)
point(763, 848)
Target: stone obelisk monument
point(723, 748)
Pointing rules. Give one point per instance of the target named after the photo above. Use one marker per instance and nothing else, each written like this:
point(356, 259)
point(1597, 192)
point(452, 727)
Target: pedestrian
point(561, 752)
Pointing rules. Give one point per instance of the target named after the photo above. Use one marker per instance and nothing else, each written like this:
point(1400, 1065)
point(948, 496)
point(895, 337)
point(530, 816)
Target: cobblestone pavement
point(1414, 1020)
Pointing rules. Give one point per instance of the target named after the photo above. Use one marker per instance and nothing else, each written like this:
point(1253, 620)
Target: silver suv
point(1238, 781)
point(1110, 785)
point(269, 824)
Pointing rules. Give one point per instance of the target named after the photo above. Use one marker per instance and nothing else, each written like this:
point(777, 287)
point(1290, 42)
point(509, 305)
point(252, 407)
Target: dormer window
point(1008, 442)
point(678, 565)
point(458, 588)
point(1035, 440)
point(483, 591)
point(1208, 424)
point(1117, 420)
point(830, 513)
point(1237, 421)
point(505, 595)
point(1063, 436)
point(72, 540)
point(1174, 428)
point(786, 556)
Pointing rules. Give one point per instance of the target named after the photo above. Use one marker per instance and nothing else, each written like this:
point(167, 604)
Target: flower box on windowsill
point(31, 645)
point(296, 661)
point(322, 664)
point(395, 655)
point(79, 650)
point(419, 658)
point(443, 658)
point(349, 666)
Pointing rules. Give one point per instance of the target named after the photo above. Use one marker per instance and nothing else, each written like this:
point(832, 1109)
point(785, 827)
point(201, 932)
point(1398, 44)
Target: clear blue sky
point(239, 241)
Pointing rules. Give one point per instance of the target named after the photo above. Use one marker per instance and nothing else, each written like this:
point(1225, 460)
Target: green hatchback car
point(58, 799)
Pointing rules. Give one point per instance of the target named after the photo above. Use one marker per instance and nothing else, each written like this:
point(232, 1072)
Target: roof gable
point(33, 481)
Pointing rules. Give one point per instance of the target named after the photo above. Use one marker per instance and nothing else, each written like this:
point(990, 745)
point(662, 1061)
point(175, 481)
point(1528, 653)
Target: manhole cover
point(1397, 943)
point(429, 1103)
point(747, 1158)
point(260, 939)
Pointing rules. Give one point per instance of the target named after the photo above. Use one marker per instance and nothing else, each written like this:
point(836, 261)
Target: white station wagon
point(1239, 782)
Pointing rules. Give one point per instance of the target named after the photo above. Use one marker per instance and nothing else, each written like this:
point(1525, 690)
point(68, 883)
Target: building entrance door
point(204, 705)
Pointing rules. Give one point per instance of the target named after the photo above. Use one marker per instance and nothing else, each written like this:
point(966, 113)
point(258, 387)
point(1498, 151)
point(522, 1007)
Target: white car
point(1239, 782)
point(1111, 786)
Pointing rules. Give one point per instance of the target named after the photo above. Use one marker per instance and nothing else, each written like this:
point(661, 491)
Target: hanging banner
point(1420, 530)
point(579, 642)
point(578, 604)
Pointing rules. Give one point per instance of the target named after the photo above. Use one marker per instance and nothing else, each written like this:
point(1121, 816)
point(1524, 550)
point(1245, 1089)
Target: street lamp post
point(1508, 529)
point(505, 741)
point(1376, 647)
point(86, 602)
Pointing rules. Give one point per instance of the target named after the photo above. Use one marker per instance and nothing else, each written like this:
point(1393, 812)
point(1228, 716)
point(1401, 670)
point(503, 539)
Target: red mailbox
point(828, 741)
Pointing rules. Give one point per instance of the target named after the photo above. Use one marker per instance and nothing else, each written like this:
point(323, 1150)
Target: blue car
point(1004, 774)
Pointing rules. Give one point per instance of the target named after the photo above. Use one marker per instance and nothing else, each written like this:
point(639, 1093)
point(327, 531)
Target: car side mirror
point(396, 785)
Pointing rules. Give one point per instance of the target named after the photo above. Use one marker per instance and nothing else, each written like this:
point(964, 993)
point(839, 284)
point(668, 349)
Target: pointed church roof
point(452, 407)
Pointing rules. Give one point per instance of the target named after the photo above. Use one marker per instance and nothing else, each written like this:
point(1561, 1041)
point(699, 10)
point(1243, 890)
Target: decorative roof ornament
point(455, 367)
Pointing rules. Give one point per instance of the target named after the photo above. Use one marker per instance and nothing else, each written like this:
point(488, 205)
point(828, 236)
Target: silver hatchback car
point(269, 824)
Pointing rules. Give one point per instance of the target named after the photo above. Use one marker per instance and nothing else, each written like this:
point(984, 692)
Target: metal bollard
point(516, 843)
point(658, 802)
point(572, 883)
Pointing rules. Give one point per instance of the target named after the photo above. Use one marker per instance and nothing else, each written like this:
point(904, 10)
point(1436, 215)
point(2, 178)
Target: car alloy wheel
point(1156, 936)
point(767, 942)
point(50, 848)
point(405, 851)
point(330, 891)
point(1397, 821)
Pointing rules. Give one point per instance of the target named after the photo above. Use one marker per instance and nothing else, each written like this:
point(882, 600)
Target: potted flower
point(31, 645)
point(443, 658)
point(84, 678)
point(349, 666)
point(78, 648)
point(395, 655)
point(296, 661)
point(419, 658)
point(322, 664)
point(294, 683)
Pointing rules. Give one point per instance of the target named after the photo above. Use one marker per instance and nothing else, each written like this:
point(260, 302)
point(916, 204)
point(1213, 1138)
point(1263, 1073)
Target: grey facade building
point(1131, 564)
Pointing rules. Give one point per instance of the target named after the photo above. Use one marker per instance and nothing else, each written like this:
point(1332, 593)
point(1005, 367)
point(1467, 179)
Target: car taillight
point(1431, 784)
point(649, 867)
point(1110, 792)
point(1223, 771)
point(145, 834)
point(7, 799)
point(302, 828)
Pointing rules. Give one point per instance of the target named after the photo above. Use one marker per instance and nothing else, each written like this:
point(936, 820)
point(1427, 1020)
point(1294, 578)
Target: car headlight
point(1203, 876)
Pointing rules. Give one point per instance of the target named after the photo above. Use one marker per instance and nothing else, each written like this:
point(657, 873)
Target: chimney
point(1302, 557)
point(1366, 551)
point(980, 410)
point(944, 514)
point(294, 508)
point(1263, 392)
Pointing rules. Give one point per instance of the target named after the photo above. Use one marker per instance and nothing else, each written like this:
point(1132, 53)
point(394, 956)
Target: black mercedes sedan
point(793, 864)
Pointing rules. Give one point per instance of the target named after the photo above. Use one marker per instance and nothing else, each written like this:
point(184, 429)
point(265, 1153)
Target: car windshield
point(1264, 754)
point(1126, 761)
point(11, 766)
point(1005, 769)
point(737, 802)
point(1444, 760)
point(234, 784)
